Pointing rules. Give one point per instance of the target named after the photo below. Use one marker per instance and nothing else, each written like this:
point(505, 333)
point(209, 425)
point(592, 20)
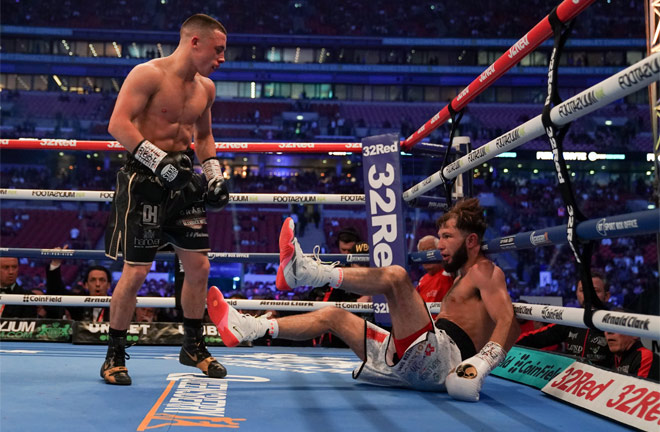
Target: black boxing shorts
point(146, 217)
point(458, 335)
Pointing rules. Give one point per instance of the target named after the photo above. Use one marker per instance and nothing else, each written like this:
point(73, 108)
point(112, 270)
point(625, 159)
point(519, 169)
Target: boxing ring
point(48, 386)
point(302, 389)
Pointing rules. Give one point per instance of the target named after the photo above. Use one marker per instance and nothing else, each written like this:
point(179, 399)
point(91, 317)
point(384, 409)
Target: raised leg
point(407, 309)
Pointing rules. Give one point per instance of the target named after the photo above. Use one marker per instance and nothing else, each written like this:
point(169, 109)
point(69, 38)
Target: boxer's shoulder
point(207, 85)
point(146, 76)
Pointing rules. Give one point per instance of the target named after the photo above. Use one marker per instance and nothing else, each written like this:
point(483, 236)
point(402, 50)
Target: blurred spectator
point(361, 248)
point(588, 344)
point(146, 314)
point(427, 18)
point(96, 282)
point(8, 285)
point(346, 239)
point(435, 284)
point(631, 357)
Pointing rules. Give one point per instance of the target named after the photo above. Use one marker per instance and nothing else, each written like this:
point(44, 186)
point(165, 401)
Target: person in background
point(360, 248)
point(435, 284)
point(346, 239)
point(588, 344)
point(146, 314)
point(631, 357)
point(8, 285)
point(96, 281)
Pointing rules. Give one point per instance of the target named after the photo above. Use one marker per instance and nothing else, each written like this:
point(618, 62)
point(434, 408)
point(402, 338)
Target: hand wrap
point(217, 195)
point(465, 380)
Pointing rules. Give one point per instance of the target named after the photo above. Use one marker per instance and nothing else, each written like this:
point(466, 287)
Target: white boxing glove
point(465, 380)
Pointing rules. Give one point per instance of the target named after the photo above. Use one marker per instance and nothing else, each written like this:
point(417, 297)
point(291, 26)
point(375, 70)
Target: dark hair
point(204, 22)
point(600, 274)
point(469, 217)
point(348, 235)
point(101, 268)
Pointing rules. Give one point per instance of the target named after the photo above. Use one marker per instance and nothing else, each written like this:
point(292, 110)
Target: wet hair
point(100, 268)
point(202, 22)
point(469, 217)
point(348, 235)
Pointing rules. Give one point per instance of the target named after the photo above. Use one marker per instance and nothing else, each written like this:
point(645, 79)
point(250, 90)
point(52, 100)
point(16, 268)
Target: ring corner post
point(381, 164)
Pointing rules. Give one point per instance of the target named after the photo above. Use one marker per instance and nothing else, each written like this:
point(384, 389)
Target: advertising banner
point(384, 200)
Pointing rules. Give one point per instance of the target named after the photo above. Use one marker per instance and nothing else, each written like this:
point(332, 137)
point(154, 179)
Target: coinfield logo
point(193, 401)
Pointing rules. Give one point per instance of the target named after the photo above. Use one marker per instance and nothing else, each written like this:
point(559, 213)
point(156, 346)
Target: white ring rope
point(628, 81)
point(234, 198)
point(619, 322)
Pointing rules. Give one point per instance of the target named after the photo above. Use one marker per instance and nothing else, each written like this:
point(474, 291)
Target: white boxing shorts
point(424, 365)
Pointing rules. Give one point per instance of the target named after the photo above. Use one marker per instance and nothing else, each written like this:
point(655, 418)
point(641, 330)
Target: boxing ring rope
point(629, 224)
point(623, 83)
point(613, 226)
point(628, 81)
point(234, 198)
point(219, 257)
point(566, 11)
point(242, 147)
point(619, 322)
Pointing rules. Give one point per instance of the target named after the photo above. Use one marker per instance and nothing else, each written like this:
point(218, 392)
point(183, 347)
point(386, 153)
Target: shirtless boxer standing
point(470, 337)
point(159, 200)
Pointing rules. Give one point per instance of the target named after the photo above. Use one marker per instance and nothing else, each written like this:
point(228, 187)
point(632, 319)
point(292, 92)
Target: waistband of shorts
point(462, 340)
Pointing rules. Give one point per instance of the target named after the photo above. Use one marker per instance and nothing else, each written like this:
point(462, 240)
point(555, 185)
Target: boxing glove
point(173, 169)
point(465, 380)
point(217, 194)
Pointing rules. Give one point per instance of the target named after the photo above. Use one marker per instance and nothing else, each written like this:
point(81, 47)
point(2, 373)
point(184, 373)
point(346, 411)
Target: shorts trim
point(128, 207)
point(188, 250)
point(138, 263)
point(356, 373)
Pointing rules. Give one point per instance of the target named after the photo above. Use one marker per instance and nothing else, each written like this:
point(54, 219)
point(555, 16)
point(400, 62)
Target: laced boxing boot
point(194, 353)
point(297, 269)
point(233, 326)
point(114, 369)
